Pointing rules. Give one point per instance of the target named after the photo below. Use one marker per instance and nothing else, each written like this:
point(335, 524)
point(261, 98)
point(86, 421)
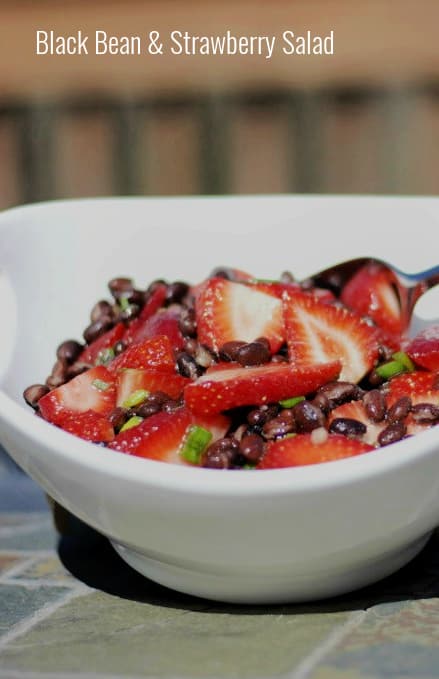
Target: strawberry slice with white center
point(318, 332)
point(355, 410)
point(155, 352)
point(421, 387)
point(372, 292)
point(228, 311)
point(303, 449)
point(131, 380)
point(89, 426)
point(220, 390)
point(92, 390)
point(152, 305)
point(163, 322)
point(161, 436)
point(424, 348)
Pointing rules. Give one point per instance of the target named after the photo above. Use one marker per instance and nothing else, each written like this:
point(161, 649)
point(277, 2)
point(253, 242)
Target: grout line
point(19, 567)
point(41, 614)
point(10, 531)
point(310, 662)
point(31, 583)
point(41, 553)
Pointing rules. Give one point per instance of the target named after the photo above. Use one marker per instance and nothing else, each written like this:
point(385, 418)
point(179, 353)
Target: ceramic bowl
point(238, 536)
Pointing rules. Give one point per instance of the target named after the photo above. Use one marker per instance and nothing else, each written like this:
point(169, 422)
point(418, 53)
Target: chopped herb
point(100, 385)
point(390, 369)
point(289, 436)
point(291, 402)
point(132, 422)
point(195, 442)
point(405, 359)
point(248, 466)
point(124, 303)
point(105, 356)
point(136, 398)
point(266, 280)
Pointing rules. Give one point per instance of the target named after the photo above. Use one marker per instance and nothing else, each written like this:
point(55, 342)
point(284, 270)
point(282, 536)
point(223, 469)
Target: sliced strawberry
point(278, 289)
point(318, 332)
point(424, 348)
point(152, 353)
point(355, 410)
point(131, 380)
point(229, 311)
point(220, 390)
point(105, 341)
point(160, 436)
point(93, 390)
point(153, 304)
point(302, 450)
point(89, 426)
point(421, 387)
point(372, 292)
point(163, 322)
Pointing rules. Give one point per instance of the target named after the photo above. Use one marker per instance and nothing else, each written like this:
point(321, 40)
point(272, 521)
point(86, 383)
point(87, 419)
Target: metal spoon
point(408, 286)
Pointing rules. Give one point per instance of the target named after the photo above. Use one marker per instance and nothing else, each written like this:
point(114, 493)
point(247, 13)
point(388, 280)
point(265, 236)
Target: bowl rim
point(199, 480)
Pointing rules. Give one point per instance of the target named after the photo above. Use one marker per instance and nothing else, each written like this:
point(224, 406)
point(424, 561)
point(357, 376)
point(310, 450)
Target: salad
point(242, 373)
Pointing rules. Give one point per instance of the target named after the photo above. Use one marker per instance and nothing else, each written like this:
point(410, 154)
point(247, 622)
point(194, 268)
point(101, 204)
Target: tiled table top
point(70, 608)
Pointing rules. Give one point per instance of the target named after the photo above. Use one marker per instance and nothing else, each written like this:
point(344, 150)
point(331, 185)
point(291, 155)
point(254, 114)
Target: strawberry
point(219, 390)
point(372, 292)
point(318, 332)
point(152, 305)
point(424, 348)
point(163, 322)
point(277, 289)
point(131, 380)
point(302, 450)
point(93, 390)
point(105, 341)
point(89, 426)
point(160, 436)
point(229, 311)
point(155, 352)
point(422, 387)
point(355, 411)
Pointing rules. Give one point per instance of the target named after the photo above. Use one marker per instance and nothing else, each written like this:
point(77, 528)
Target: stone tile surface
point(140, 639)
point(17, 603)
point(7, 561)
point(39, 535)
point(47, 568)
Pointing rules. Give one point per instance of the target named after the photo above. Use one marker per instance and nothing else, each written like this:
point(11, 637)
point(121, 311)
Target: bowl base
point(291, 585)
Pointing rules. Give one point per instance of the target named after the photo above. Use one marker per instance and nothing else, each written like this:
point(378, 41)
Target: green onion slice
point(105, 356)
point(136, 398)
point(194, 444)
point(124, 303)
point(291, 402)
point(405, 359)
point(390, 369)
point(101, 385)
point(132, 422)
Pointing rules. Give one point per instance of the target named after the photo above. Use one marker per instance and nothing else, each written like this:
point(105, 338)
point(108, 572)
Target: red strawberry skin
point(155, 352)
point(228, 311)
point(301, 450)
point(318, 332)
point(221, 390)
point(80, 395)
point(422, 387)
point(424, 348)
point(89, 426)
point(163, 322)
point(152, 305)
point(160, 436)
point(131, 380)
point(371, 292)
point(107, 340)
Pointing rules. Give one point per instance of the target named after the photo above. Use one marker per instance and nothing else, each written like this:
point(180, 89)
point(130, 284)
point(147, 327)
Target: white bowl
point(272, 536)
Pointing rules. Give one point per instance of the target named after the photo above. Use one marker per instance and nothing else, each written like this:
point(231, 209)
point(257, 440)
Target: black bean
point(117, 417)
point(58, 375)
point(69, 351)
point(120, 287)
point(171, 405)
point(33, 394)
point(287, 277)
point(187, 322)
point(374, 379)
point(260, 416)
point(191, 346)
point(307, 416)
point(102, 308)
point(158, 398)
point(77, 369)
point(425, 413)
point(119, 347)
point(222, 272)
point(340, 392)
point(229, 350)
point(175, 292)
point(393, 433)
point(96, 329)
point(253, 353)
point(321, 401)
point(203, 356)
point(220, 454)
point(187, 366)
point(131, 311)
point(385, 353)
point(252, 447)
point(147, 409)
point(279, 426)
point(265, 342)
point(375, 405)
point(348, 427)
point(399, 411)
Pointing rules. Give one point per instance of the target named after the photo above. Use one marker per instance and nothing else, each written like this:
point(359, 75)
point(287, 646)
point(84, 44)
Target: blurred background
point(365, 120)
